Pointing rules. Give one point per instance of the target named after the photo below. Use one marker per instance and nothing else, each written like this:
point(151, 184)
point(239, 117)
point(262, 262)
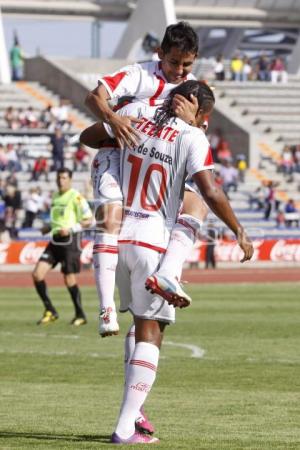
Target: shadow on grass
point(104, 438)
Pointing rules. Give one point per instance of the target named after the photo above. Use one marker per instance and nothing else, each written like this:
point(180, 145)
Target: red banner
point(282, 250)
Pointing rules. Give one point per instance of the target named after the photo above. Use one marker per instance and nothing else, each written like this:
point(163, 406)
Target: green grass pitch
point(61, 387)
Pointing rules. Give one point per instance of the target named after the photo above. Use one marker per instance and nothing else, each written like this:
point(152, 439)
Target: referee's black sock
point(76, 299)
point(41, 289)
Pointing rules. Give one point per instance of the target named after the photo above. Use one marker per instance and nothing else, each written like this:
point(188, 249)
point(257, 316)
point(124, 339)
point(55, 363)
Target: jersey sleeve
point(199, 153)
point(82, 208)
point(124, 82)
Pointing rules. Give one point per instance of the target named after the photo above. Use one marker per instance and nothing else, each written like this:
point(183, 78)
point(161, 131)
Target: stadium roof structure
point(254, 13)
point(234, 17)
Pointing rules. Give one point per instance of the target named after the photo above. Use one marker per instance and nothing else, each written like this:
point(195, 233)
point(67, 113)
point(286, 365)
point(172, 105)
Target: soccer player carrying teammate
point(168, 150)
point(70, 213)
point(149, 83)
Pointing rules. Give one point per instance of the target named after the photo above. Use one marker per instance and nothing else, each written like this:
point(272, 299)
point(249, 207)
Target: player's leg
point(75, 294)
point(151, 315)
point(39, 273)
point(105, 259)
point(165, 281)
point(140, 379)
point(108, 205)
point(142, 423)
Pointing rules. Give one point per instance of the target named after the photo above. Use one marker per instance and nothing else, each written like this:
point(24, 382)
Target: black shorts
point(64, 251)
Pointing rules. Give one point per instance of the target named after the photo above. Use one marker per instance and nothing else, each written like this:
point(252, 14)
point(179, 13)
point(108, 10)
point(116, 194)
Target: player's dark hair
point(182, 36)
point(65, 170)
point(198, 89)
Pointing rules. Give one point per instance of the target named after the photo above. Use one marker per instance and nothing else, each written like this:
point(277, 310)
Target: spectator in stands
point(236, 67)
point(219, 68)
point(12, 200)
point(223, 151)
point(257, 198)
point(40, 167)
point(61, 114)
point(211, 238)
point(11, 118)
point(31, 118)
point(33, 204)
point(270, 201)
point(12, 180)
point(47, 119)
point(278, 71)
point(297, 158)
point(58, 142)
point(291, 214)
point(263, 68)
point(287, 163)
point(80, 159)
point(229, 176)
point(247, 69)
point(214, 140)
point(13, 163)
point(22, 118)
point(3, 158)
point(241, 165)
point(16, 61)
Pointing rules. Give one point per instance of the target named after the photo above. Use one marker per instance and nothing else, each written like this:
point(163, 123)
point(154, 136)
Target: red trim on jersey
point(114, 81)
point(187, 225)
point(158, 91)
point(209, 159)
point(143, 244)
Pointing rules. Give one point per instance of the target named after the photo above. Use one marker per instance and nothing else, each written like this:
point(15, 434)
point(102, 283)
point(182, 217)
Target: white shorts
point(105, 174)
point(135, 264)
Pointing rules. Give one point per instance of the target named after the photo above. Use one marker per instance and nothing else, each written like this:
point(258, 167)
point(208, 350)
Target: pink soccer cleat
point(143, 425)
point(170, 290)
point(136, 438)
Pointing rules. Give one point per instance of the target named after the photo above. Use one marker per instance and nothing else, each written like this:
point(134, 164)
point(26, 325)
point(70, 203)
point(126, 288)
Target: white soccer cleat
point(108, 325)
point(170, 290)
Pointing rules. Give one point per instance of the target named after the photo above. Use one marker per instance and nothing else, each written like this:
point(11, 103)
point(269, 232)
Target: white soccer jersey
point(153, 174)
point(146, 82)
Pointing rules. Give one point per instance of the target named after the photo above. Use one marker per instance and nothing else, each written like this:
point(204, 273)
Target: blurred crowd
point(289, 162)
point(243, 68)
point(49, 118)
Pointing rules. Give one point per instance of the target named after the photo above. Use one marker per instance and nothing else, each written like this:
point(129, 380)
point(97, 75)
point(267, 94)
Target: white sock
point(105, 259)
point(140, 378)
point(129, 348)
point(183, 237)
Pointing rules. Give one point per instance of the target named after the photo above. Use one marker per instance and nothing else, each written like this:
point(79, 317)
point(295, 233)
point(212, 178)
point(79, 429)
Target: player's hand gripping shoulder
point(245, 244)
point(184, 109)
point(123, 131)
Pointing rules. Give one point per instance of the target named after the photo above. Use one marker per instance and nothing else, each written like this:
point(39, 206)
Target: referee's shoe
point(48, 317)
point(78, 321)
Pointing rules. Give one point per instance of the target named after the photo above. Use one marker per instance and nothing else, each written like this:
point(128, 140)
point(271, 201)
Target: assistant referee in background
point(70, 214)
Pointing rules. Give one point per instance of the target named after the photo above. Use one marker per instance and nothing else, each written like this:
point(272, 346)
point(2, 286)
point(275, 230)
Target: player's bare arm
point(97, 102)
point(219, 204)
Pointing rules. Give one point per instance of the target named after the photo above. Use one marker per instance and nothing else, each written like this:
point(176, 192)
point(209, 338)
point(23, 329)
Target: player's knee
point(36, 276)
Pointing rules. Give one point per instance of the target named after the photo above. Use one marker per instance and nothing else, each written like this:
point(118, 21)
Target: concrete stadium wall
point(53, 77)
point(237, 138)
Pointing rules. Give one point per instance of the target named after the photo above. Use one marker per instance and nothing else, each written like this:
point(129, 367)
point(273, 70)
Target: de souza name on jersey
point(167, 134)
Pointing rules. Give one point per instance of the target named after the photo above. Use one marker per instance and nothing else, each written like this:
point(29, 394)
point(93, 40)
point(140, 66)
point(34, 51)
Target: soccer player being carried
point(149, 83)
point(168, 150)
